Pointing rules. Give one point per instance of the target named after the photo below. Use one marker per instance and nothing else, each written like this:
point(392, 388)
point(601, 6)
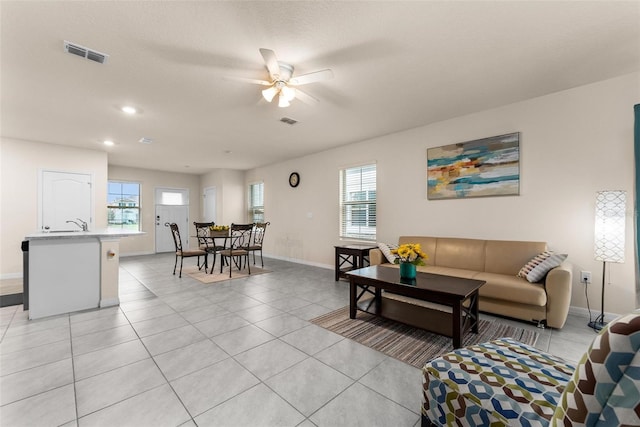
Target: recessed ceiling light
point(228, 151)
point(129, 109)
point(145, 140)
point(108, 142)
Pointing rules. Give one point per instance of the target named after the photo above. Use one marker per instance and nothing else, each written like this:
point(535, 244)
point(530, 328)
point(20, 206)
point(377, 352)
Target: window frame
point(137, 208)
point(254, 211)
point(361, 200)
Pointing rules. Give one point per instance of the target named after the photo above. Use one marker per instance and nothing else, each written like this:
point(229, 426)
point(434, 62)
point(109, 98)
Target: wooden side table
point(354, 256)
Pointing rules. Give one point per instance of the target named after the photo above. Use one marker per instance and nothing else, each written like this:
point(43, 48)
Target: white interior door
point(168, 214)
point(65, 197)
point(210, 195)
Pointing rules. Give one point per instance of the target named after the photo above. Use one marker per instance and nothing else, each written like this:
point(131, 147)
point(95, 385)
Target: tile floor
point(237, 353)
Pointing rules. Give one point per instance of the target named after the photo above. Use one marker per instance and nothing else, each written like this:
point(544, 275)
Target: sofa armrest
point(376, 257)
point(558, 287)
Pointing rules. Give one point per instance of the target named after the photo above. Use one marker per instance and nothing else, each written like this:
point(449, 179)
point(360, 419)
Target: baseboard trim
point(109, 302)
point(581, 311)
point(300, 261)
point(12, 299)
point(128, 254)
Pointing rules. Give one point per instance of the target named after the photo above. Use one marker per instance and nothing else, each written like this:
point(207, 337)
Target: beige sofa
point(498, 263)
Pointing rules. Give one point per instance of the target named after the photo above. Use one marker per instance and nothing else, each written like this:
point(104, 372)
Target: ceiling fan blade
point(316, 76)
point(306, 98)
point(245, 80)
point(271, 62)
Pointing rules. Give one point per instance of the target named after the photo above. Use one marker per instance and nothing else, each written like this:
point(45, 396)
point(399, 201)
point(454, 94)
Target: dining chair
point(258, 238)
point(239, 241)
point(204, 242)
point(181, 253)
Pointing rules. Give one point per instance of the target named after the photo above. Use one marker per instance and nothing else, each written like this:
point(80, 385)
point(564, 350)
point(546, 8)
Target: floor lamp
point(609, 236)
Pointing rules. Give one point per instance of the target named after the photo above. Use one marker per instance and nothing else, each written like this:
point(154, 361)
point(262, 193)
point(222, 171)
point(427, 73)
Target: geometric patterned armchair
point(507, 383)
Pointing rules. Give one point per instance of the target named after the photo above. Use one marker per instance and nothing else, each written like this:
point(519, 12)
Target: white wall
point(573, 143)
point(230, 194)
point(150, 180)
point(21, 163)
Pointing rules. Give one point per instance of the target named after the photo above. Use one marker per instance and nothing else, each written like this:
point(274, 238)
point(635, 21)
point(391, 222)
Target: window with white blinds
point(256, 202)
point(358, 202)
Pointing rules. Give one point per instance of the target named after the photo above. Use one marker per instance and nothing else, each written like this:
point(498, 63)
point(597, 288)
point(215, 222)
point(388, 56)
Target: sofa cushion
point(467, 254)
point(541, 270)
point(533, 263)
point(511, 288)
point(386, 251)
point(446, 271)
point(507, 257)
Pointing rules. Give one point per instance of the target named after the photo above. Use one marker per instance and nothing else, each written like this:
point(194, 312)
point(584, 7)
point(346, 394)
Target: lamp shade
point(610, 223)
point(283, 101)
point(269, 93)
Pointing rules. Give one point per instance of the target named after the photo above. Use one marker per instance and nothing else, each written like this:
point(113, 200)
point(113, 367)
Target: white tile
point(282, 325)
point(244, 410)
point(208, 387)
point(52, 408)
point(159, 324)
point(170, 340)
point(102, 323)
point(270, 358)
point(103, 339)
point(156, 407)
point(361, 406)
point(32, 357)
point(34, 339)
point(185, 360)
point(242, 339)
point(342, 355)
point(200, 314)
point(220, 325)
point(103, 390)
point(27, 383)
point(109, 358)
point(309, 385)
point(311, 339)
point(397, 381)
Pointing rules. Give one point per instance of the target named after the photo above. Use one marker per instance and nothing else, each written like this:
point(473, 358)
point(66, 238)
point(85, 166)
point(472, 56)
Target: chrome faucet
point(83, 224)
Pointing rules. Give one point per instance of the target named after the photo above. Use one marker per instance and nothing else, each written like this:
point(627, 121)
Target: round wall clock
point(294, 179)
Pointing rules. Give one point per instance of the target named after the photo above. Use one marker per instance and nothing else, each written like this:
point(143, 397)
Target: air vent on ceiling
point(288, 121)
point(90, 54)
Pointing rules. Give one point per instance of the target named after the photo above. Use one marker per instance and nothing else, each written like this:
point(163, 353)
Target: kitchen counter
point(73, 270)
point(80, 234)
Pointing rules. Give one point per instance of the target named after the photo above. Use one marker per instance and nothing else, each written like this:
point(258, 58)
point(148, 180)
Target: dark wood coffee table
point(459, 294)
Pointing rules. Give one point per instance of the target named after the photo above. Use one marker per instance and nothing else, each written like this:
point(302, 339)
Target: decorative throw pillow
point(535, 261)
point(386, 250)
point(541, 270)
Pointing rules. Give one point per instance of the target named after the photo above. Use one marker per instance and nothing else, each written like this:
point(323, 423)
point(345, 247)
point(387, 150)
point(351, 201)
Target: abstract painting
point(480, 168)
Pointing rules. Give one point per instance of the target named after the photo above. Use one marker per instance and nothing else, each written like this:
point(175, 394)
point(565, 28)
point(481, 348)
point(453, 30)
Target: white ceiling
point(397, 65)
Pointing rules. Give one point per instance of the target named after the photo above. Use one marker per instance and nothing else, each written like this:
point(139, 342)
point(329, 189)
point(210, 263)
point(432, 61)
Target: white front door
point(166, 214)
point(209, 205)
point(65, 197)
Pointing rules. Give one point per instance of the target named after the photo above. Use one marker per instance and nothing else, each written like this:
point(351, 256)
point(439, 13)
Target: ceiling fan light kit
point(281, 80)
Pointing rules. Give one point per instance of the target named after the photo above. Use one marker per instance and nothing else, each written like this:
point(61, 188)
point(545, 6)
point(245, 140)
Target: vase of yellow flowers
point(218, 231)
point(409, 256)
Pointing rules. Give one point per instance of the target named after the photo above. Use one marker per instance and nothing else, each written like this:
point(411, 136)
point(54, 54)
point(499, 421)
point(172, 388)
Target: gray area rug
point(409, 344)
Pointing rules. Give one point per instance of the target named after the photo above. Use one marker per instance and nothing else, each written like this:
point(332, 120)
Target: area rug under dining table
point(216, 276)
point(412, 345)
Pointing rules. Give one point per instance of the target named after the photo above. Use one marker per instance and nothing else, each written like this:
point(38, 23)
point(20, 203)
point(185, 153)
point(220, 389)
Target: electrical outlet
point(585, 276)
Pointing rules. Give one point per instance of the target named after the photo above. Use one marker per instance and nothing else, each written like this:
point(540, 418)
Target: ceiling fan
point(282, 83)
